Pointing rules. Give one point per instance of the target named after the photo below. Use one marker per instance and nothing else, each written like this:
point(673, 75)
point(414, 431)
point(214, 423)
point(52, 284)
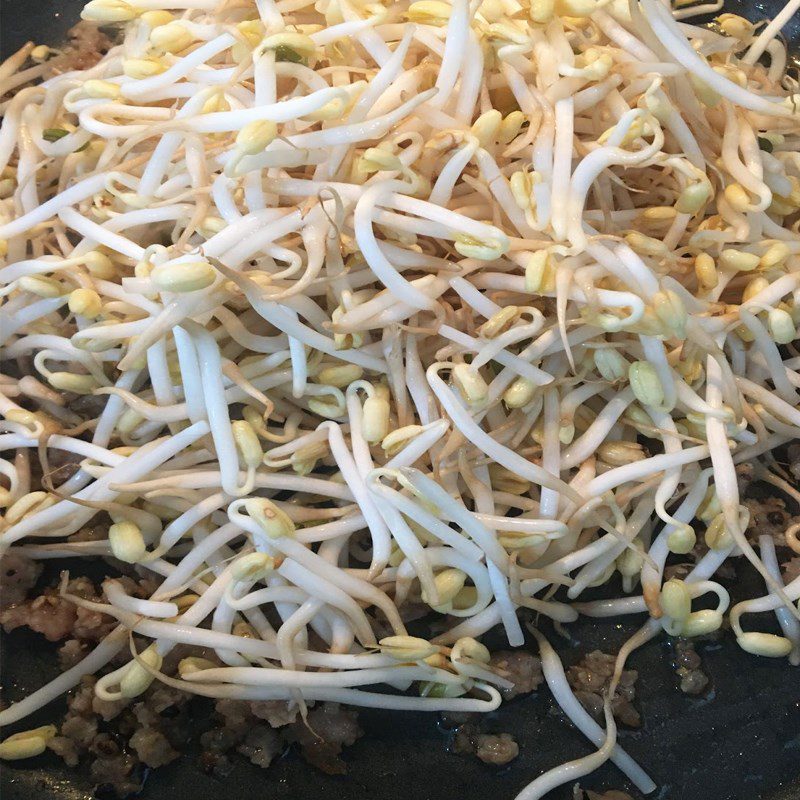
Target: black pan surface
point(740, 741)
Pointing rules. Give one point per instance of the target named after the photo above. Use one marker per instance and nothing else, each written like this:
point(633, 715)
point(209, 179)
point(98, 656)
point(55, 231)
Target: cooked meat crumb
point(687, 667)
point(152, 747)
point(57, 618)
point(591, 677)
point(523, 669)
point(80, 730)
point(768, 516)
point(18, 575)
point(65, 749)
point(84, 702)
point(496, 749)
point(48, 614)
point(277, 712)
point(71, 652)
point(87, 44)
point(323, 734)
point(260, 745)
point(791, 570)
point(237, 718)
point(115, 775)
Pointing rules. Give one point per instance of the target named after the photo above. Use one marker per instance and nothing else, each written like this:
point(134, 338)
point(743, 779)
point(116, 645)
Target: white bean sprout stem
point(341, 309)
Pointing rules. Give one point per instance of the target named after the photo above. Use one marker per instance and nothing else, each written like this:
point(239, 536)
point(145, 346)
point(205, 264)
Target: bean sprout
point(380, 305)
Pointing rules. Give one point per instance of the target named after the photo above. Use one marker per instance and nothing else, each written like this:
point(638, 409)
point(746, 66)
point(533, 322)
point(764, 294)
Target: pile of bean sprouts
point(385, 305)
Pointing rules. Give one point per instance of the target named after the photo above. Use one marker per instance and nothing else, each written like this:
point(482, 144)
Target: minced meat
point(791, 570)
point(66, 749)
point(496, 749)
point(687, 667)
point(86, 45)
point(523, 669)
point(56, 618)
point(84, 702)
point(152, 747)
point(111, 767)
point(324, 733)
point(18, 575)
point(768, 516)
point(260, 745)
point(71, 652)
point(491, 748)
point(113, 770)
point(116, 738)
point(591, 677)
point(276, 712)
point(48, 614)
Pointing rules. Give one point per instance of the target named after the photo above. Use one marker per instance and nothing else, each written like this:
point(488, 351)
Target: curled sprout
point(342, 310)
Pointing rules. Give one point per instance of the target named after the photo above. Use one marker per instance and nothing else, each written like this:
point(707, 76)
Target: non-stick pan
point(738, 741)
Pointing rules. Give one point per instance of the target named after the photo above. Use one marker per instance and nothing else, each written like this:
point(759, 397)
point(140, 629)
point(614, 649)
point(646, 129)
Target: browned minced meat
point(66, 749)
point(111, 766)
point(90, 626)
point(116, 738)
point(155, 736)
point(791, 570)
point(47, 614)
point(85, 703)
point(75, 738)
point(56, 618)
point(592, 676)
point(113, 769)
point(276, 712)
point(496, 749)
point(234, 719)
point(261, 744)
point(18, 575)
point(216, 743)
point(241, 728)
point(81, 729)
point(768, 516)
point(688, 668)
point(236, 716)
point(324, 733)
point(71, 652)
point(86, 45)
point(152, 747)
point(523, 669)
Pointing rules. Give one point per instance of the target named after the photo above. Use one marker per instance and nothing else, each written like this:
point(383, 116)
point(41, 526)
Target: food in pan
point(345, 332)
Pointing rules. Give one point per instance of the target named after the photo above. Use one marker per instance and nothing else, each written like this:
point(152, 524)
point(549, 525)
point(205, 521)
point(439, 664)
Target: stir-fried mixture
point(324, 317)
